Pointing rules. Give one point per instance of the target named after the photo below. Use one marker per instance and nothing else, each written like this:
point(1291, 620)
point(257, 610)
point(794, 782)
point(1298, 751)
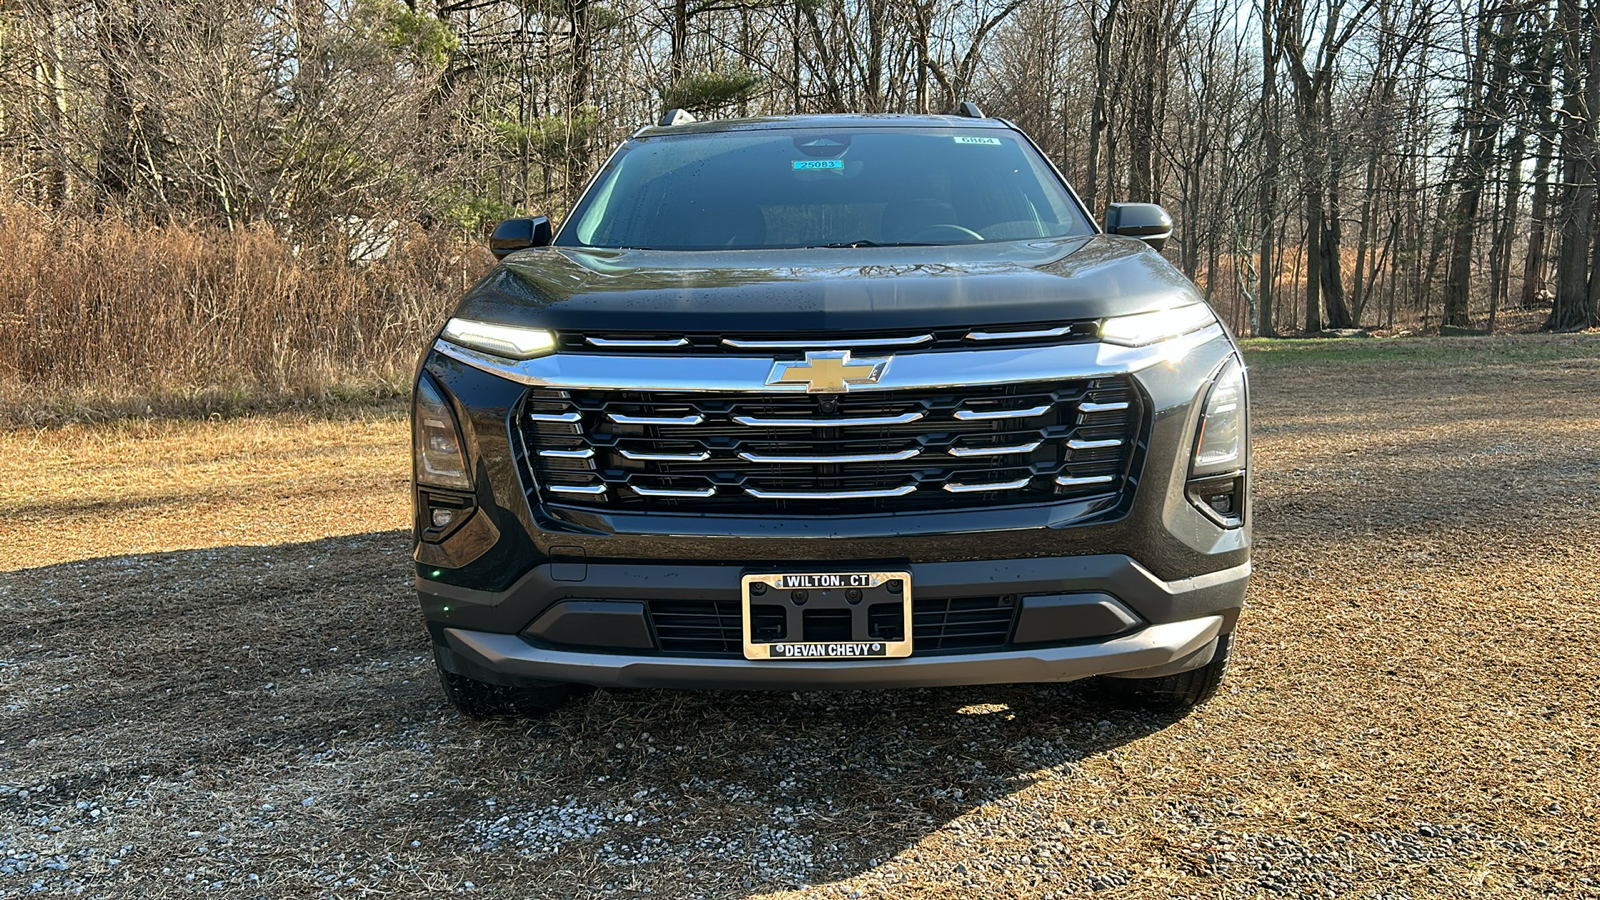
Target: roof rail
point(966, 109)
point(675, 117)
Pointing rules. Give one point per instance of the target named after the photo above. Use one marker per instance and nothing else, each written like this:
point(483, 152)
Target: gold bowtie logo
point(828, 371)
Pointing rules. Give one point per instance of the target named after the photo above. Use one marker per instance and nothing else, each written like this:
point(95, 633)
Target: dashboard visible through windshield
point(788, 188)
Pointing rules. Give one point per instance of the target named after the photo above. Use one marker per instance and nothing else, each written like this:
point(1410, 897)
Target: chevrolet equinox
point(830, 402)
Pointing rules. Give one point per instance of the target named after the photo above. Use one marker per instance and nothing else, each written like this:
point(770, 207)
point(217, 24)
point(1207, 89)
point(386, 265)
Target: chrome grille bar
point(589, 489)
point(1018, 335)
point(1080, 444)
point(690, 419)
point(1089, 406)
point(825, 459)
point(911, 340)
point(955, 487)
point(640, 343)
point(763, 494)
point(566, 417)
point(1069, 481)
point(970, 415)
point(994, 451)
point(585, 453)
point(976, 367)
point(699, 456)
point(695, 493)
point(788, 422)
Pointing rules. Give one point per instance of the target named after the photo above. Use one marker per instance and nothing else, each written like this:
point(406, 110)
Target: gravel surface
point(213, 680)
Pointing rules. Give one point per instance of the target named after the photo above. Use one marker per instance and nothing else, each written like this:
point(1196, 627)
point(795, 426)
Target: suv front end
point(883, 480)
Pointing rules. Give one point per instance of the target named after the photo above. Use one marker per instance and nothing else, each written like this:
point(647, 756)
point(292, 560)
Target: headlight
point(437, 440)
point(1140, 329)
point(1220, 445)
point(509, 341)
point(1217, 480)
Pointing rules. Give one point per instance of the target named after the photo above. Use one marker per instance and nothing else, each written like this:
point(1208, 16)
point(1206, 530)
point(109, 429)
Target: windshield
point(823, 188)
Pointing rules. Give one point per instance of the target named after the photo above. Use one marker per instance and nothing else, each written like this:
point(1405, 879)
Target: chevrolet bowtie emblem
point(828, 371)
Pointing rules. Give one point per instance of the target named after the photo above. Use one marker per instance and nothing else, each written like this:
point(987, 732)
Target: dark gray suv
point(831, 402)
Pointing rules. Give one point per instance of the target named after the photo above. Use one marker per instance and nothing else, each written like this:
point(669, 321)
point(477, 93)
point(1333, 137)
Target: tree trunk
point(114, 167)
point(1314, 216)
point(1576, 210)
point(1536, 261)
point(679, 51)
point(1500, 250)
point(1272, 150)
point(1338, 311)
point(1592, 131)
point(1101, 34)
point(1142, 121)
point(1358, 294)
point(873, 102)
point(50, 85)
point(1484, 115)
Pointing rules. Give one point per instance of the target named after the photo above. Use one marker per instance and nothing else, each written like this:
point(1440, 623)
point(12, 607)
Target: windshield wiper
point(837, 245)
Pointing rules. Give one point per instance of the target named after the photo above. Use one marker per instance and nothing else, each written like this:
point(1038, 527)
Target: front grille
point(716, 343)
point(804, 454)
point(712, 627)
point(967, 623)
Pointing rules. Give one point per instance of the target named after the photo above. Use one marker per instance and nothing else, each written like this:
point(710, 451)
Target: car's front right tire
point(1181, 690)
point(481, 700)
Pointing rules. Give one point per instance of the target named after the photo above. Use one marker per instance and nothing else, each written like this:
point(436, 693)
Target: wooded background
point(1330, 163)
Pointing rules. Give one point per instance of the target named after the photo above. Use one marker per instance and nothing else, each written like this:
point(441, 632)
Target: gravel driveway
point(212, 679)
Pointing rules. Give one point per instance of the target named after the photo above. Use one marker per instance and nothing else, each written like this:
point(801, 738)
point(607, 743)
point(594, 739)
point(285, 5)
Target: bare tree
point(1574, 302)
point(1484, 114)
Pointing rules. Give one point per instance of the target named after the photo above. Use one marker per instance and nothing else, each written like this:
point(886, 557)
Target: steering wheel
point(938, 233)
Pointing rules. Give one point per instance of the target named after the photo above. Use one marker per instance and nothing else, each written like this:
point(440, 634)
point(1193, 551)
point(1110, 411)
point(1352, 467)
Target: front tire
point(1183, 690)
point(481, 700)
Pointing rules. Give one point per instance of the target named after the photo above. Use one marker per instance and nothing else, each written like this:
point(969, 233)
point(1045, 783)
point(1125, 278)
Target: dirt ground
point(214, 679)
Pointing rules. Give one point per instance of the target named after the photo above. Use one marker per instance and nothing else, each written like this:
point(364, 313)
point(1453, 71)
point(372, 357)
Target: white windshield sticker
point(979, 141)
point(804, 164)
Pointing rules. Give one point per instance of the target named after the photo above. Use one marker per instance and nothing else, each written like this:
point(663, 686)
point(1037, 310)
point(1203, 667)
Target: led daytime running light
point(1141, 329)
point(508, 341)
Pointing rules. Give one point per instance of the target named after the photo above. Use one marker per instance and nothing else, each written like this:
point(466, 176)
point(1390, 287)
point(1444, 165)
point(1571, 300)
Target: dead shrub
point(112, 312)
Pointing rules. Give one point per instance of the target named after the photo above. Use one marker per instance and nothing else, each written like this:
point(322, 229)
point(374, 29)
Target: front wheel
point(480, 700)
point(1182, 690)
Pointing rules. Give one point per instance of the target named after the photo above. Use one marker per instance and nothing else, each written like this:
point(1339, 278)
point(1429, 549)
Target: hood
point(815, 290)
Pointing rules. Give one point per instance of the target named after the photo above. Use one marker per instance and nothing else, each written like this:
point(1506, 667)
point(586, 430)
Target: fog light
point(441, 514)
point(1222, 499)
point(1222, 504)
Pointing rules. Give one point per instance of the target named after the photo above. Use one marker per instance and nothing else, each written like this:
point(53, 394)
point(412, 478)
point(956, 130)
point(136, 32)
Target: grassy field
point(213, 677)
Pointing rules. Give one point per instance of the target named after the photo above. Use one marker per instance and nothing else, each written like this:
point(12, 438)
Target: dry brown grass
point(132, 485)
point(185, 641)
point(108, 316)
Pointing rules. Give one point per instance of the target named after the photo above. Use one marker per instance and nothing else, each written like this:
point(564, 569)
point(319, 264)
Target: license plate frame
point(828, 583)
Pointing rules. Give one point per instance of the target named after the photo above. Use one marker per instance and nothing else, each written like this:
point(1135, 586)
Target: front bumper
point(551, 594)
point(1151, 624)
point(507, 658)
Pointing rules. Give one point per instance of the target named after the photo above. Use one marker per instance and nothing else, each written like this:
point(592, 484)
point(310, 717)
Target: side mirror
point(519, 234)
point(1145, 221)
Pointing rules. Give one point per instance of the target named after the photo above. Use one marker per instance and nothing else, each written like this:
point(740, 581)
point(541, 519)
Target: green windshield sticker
point(804, 164)
point(979, 141)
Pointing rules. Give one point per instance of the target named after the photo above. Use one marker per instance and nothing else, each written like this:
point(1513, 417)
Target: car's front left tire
point(481, 700)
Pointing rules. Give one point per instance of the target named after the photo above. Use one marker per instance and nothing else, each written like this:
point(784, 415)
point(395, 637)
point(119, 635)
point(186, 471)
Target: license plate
point(826, 615)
